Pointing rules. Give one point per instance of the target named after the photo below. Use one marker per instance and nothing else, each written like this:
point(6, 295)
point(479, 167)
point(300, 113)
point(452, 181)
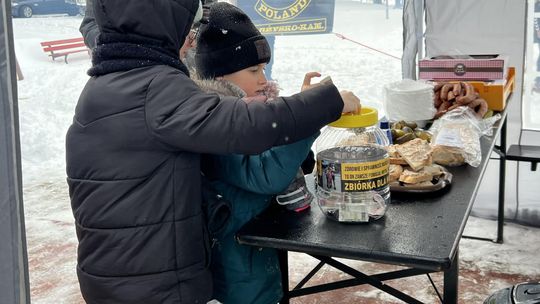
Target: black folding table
point(420, 232)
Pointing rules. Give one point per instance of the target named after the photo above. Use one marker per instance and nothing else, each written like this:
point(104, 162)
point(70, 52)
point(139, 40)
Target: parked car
point(28, 8)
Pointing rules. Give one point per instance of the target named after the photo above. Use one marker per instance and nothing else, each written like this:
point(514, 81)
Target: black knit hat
point(228, 42)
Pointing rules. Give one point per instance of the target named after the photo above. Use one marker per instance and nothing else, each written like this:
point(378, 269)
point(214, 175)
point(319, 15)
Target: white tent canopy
point(481, 27)
point(431, 27)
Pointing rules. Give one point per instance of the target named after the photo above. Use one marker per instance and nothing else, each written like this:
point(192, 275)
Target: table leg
point(451, 281)
point(502, 183)
point(284, 266)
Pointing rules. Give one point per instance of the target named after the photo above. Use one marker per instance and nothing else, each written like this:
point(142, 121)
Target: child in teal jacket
point(230, 59)
point(245, 274)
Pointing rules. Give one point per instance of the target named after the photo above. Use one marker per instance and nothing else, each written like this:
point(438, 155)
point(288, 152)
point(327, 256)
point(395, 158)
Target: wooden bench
point(62, 48)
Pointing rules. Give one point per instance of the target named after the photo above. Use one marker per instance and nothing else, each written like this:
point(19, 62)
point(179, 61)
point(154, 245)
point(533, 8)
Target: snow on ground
point(352, 67)
point(49, 92)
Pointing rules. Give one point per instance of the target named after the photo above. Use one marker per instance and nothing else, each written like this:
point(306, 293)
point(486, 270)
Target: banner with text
point(290, 17)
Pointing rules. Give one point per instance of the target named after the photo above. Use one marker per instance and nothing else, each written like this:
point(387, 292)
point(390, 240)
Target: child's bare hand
point(307, 81)
point(351, 103)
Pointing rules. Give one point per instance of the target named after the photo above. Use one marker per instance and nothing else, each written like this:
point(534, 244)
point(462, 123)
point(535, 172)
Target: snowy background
point(50, 89)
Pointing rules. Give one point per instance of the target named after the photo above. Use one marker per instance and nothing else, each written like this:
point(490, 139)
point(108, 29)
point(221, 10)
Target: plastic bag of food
point(458, 133)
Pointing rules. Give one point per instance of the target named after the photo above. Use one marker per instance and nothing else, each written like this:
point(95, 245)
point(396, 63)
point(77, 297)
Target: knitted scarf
point(117, 52)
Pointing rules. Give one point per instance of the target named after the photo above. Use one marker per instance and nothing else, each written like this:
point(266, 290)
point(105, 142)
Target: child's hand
point(307, 81)
point(351, 103)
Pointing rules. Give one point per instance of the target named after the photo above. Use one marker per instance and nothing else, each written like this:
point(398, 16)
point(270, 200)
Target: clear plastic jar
point(352, 168)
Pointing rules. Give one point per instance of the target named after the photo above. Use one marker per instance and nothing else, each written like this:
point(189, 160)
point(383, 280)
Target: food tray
point(439, 183)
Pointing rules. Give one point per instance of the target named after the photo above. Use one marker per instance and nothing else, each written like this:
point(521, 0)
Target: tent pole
point(14, 286)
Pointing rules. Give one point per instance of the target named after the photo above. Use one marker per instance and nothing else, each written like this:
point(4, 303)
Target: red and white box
point(463, 67)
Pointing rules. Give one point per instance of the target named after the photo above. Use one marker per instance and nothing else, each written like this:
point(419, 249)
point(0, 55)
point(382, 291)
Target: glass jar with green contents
point(352, 168)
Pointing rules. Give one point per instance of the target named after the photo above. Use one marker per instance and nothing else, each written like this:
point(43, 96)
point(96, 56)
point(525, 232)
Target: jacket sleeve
point(184, 118)
point(267, 173)
point(89, 28)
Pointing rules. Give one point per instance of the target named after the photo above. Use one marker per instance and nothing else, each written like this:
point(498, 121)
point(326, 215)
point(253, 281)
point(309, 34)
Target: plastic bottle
point(385, 127)
point(352, 168)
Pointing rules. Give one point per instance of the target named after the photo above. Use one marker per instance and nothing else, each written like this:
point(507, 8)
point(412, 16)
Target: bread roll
point(447, 156)
point(433, 170)
point(395, 172)
point(412, 177)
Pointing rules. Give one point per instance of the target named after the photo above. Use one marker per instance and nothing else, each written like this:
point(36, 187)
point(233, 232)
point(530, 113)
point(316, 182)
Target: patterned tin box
point(463, 67)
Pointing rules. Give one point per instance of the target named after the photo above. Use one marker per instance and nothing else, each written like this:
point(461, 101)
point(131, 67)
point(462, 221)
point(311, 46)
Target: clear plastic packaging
point(459, 131)
point(352, 168)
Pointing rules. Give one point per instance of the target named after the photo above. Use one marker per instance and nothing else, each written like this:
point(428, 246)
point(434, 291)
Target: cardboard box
point(463, 67)
point(496, 93)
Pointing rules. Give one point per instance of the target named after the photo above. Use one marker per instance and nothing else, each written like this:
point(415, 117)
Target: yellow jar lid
point(367, 117)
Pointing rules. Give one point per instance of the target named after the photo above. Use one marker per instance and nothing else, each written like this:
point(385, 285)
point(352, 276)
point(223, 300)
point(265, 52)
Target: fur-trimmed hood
point(227, 88)
point(220, 87)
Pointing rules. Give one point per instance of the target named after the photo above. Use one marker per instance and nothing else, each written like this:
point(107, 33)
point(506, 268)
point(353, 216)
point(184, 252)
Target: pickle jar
point(352, 168)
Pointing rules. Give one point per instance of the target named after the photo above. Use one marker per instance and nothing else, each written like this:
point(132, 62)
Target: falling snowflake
point(238, 48)
point(224, 31)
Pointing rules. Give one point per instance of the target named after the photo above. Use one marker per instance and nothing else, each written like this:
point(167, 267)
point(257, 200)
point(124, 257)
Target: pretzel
point(438, 86)
point(444, 91)
point(457, 89)
point(480, 107)
point(451, 96)
point(437, 99)
point(442, 109)
point(455, 105)
point(470, 95)
point(444, 106)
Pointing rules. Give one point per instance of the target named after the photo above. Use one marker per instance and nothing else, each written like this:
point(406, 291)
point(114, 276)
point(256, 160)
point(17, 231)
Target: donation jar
point(352, 168)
